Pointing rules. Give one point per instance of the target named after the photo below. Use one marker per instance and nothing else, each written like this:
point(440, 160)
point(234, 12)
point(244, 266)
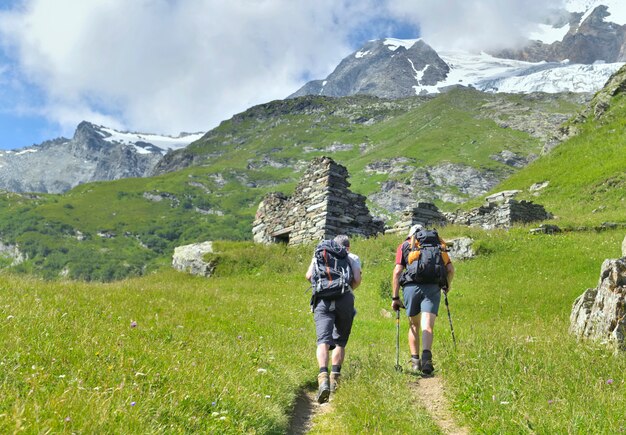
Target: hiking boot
point(416, 365)
point(324, 388)
point(427, 362)
point(334, 381)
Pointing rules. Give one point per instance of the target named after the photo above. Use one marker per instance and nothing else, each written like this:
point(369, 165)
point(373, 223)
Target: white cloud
point(475, 24)
point(167, 66)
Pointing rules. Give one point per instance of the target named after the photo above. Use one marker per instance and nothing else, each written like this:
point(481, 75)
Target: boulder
point(190, 259)
point(460, 248)
point(599, 314)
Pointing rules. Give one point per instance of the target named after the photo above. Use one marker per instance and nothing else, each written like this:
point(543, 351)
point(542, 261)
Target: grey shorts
point(421, 298)
point(333, 320)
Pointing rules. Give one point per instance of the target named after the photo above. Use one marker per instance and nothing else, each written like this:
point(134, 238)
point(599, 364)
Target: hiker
point(333, 316)
point(421, 300)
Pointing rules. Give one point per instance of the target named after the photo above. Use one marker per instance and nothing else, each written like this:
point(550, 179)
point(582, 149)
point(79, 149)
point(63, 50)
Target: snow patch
point(393, 44)
point(360, 54)
point(26, 151)
point(146, 143)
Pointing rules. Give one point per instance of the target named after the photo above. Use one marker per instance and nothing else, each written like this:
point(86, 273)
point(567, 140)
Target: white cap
point(414, 229)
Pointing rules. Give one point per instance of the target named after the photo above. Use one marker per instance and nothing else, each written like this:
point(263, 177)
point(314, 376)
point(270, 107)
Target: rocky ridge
point(95, 153)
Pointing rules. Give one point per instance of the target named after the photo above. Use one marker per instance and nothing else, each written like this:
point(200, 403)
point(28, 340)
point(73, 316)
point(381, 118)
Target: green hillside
point(108, 230)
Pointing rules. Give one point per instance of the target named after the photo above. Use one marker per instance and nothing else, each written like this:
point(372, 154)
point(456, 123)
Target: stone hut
point(321, 207)
point(501, 210)
point(424, 213)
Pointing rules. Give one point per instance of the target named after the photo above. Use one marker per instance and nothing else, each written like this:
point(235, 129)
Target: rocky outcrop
point(12, 253)
point(500, 211)
point(599, 314)
point(190, 259)
point(321, 208)
point(448, 182)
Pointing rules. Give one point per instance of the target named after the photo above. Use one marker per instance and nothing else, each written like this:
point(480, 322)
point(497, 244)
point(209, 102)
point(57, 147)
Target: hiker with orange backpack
point(423, 269)
point(334, 272)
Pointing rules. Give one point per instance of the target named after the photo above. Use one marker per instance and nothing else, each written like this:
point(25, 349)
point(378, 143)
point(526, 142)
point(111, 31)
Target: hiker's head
point(414, 229)
point(343, 240)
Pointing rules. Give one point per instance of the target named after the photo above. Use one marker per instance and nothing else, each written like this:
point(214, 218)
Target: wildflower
point(133, 403)
point(213, 403)
point(133, 324)
point(67, 419)
point(267, 396)
point(9, 317)
point(609, 381)
point(262, 370)
point(239, 337)
point(550, 402)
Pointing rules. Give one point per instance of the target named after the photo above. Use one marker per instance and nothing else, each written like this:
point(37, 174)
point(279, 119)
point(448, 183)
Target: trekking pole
point(445, 295)
point(398, 366)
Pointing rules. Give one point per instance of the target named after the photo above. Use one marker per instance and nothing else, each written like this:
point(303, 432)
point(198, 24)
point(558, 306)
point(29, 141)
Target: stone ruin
point(321, 207)
point(500, 210)
point(424, 213)
point(599, 314)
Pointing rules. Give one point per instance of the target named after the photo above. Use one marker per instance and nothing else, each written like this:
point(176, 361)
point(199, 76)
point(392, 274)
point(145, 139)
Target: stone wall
point(501, 211)
point(425, 213)
point(321, 207)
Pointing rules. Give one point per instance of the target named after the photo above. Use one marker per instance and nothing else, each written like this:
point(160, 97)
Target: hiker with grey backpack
point(334, 273)
point(423, 269)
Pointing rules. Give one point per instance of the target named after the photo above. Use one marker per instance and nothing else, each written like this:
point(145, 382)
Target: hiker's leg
point(414, 334)
point(322, 355)
point(344, 318)
point(339, 353)
point(324, 321)
point(427, 324)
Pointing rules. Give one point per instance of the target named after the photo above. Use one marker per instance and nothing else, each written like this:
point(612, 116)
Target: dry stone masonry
point(321, 207)
point(599, 314)
point(501, 210)
point(425, 213)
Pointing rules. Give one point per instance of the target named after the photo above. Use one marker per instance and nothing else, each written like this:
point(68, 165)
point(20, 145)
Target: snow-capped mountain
point(95, 153)
point(146, 143)
point(576, 51)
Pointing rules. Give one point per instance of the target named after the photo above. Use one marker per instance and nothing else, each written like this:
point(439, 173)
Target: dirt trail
point(429, 393)
point(305, 409)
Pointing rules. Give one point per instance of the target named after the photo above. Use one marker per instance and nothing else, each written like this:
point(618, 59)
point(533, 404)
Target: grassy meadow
point(172, 353)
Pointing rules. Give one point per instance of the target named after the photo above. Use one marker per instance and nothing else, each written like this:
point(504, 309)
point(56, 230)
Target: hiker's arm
point(395, 282)
point(356, 271)
point(309, 272)
point(450, 268)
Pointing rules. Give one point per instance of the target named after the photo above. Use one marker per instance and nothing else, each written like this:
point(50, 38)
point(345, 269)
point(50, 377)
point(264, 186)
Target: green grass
point(230, 354)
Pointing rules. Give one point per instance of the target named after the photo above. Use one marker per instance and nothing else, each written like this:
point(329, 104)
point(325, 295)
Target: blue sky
point(171, 66)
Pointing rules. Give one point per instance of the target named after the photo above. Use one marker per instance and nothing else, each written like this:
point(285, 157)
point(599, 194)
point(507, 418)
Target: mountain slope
point(463, 142)
point(587, 173)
